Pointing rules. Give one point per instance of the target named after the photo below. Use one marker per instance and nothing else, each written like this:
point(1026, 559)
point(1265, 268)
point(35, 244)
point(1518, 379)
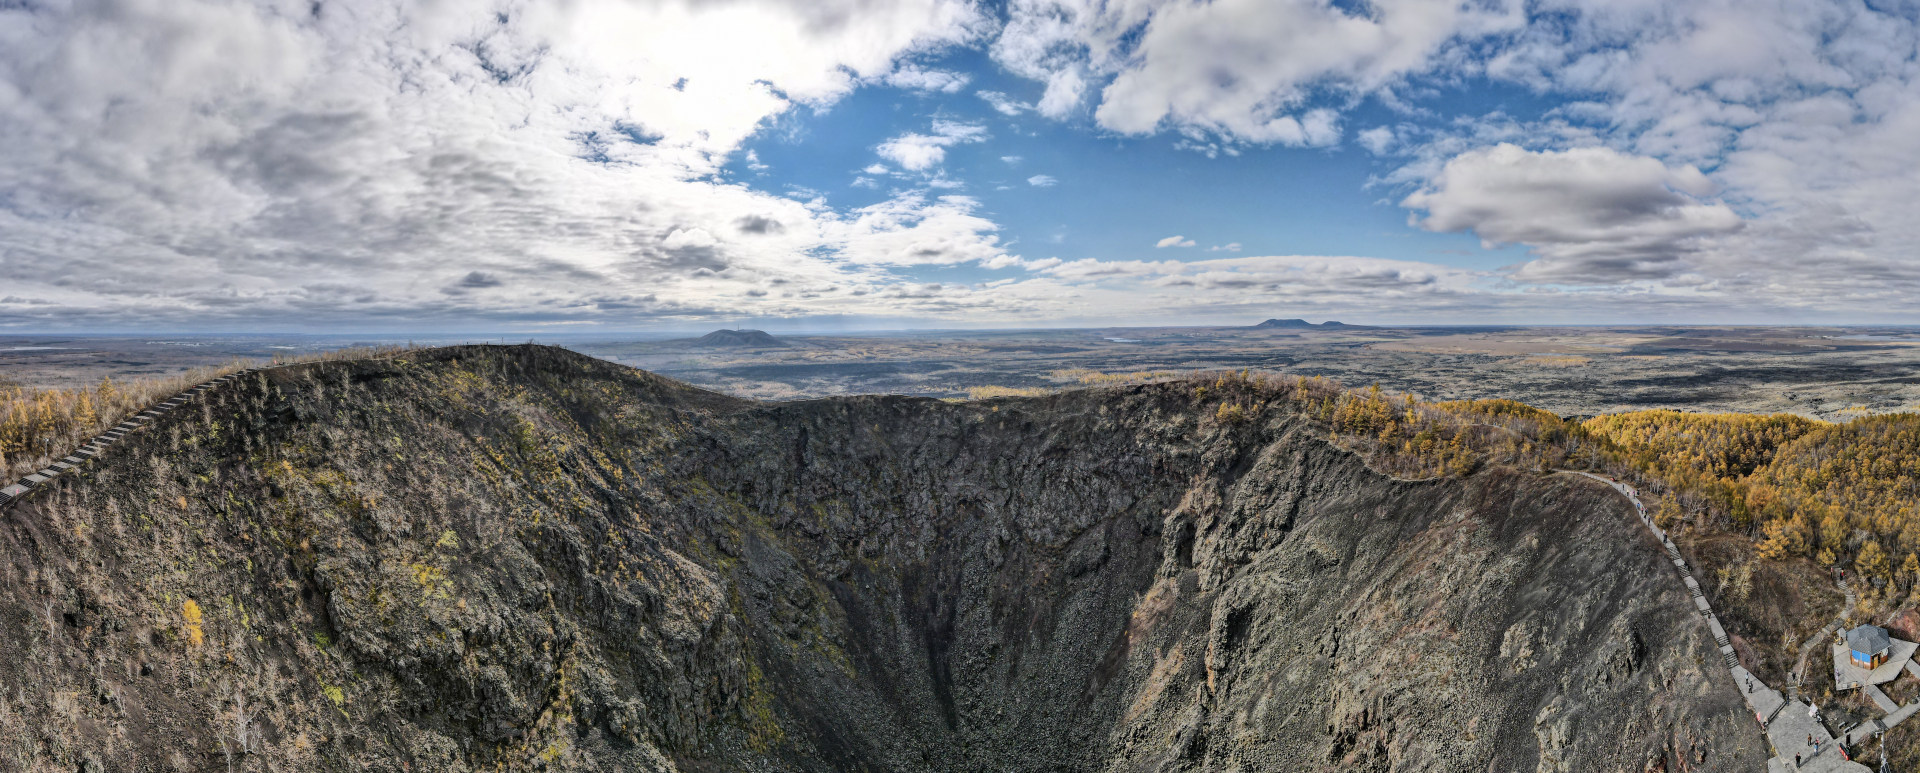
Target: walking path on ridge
point(100, 443)
point(1790, 723)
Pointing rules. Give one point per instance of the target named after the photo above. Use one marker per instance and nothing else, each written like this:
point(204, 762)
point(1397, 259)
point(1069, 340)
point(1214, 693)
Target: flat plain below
point(1832, 373)
point(1826, 373)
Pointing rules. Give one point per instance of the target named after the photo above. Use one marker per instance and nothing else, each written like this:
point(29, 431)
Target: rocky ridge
point(483, 558)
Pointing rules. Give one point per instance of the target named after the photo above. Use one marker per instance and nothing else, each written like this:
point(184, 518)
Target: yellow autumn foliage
point(190, 613)
point(1836, 492)
point(39, 426)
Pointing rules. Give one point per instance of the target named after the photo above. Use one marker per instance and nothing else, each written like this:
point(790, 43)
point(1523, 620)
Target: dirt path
point(1813, 644)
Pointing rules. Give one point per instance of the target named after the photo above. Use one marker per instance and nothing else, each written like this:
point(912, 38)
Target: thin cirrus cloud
point(1004, 104)
point(214, 163)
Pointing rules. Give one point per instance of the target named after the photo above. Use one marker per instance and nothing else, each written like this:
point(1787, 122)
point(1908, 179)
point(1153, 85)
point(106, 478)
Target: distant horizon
point(663, 333)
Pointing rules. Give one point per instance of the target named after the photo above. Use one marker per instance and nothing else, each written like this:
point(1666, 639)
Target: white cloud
point(1228, 247)
point(915, 152)
point(1377, 140)
point(1241, 282)
point(1806, 116)
point(1042, 181)
point(912, 229)
point(1004, 104)
point(920, 152)
point(1240, 69)
point(202, 162)
point(682, 238)
point(1590, 214)
point(215, 162)
point(1064, 93)
point(918, 79)
point(1173, 241)
point(1010, 160)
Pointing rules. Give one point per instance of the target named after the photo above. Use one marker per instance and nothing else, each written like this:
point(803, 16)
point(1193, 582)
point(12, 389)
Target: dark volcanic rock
point(519, 558)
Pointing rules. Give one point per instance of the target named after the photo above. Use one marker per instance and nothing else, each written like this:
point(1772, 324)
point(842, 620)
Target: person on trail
point(1796, 760)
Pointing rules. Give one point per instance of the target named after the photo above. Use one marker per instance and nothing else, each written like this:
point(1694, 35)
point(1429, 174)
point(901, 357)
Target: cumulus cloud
point(1591, 214)
point(1042, 181)
point(202, 162)
point(682, 238)
point(915, 229)
point(920, 79)
point(1241, 69)
point(920, 152)
point(759, 225)
point(1377, 140)
point(214, 162)
point(1805, 114)
point(1173, 241)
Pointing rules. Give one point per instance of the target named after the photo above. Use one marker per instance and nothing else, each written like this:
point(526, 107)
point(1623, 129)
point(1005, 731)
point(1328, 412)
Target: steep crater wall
point(481, 558)
point(1112, 581)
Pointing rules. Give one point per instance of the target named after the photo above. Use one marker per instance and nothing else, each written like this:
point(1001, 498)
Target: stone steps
point(1721, 639)
point(100, 443)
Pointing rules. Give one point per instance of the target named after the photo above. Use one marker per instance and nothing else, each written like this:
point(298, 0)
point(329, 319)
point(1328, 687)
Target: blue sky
point(608, 165)
point(1111, 196)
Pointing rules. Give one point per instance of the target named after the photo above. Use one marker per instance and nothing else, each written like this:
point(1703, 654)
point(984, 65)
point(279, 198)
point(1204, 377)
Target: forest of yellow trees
point(1843, 494)
point(38, 426)
point(1408, 437)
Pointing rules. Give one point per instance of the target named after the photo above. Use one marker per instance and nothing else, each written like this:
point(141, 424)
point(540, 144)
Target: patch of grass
point(763, 731)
